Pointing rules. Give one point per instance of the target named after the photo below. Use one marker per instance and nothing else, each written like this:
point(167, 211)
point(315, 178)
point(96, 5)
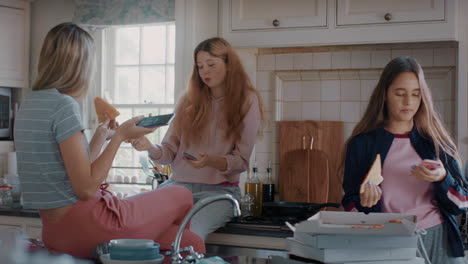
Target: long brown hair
point(193, 111)
point(426, 119)
point(66, 61)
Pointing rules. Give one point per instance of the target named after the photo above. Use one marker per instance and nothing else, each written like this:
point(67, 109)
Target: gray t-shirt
point(45, 119)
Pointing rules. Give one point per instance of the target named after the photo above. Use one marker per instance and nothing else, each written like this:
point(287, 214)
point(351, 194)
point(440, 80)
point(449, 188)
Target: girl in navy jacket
point(401, 125)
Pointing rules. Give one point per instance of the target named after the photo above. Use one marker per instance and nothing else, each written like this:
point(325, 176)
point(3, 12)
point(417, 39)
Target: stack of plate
point(132, 251)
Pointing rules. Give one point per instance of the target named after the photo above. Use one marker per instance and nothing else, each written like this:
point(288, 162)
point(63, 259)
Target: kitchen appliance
point(298, 210)
point(5, 113)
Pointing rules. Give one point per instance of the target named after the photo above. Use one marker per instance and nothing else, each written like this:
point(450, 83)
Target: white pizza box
point(330, 222)
point(356, 241)
point(328, 255)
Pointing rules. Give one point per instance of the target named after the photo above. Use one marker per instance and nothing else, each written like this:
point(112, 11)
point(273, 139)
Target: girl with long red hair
point(217, 120)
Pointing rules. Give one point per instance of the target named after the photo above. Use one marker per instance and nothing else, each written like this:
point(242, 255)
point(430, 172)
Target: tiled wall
point(335, 83)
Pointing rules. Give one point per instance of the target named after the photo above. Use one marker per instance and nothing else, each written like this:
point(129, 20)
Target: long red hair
point(193, 111)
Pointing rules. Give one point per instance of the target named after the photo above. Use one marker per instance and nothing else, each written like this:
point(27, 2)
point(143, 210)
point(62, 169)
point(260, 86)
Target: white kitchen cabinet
point(31, 226)
point(14, 43)
point(248, 23)
point(364, 12)
point(275, 14)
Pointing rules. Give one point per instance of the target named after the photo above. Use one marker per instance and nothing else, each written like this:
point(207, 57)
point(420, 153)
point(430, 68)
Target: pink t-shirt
point(401, 191)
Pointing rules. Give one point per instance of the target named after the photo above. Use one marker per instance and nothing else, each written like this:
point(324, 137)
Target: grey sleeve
point(67, 121)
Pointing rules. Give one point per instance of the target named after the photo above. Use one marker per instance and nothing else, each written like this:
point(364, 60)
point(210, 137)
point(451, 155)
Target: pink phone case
point(431, 164)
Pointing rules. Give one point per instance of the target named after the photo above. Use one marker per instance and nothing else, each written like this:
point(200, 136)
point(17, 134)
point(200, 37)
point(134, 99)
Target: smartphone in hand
point(189, 156)
point(154, 121)
point(430, 164)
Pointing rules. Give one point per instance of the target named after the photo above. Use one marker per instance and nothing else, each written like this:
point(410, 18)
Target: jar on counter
point(6, 199)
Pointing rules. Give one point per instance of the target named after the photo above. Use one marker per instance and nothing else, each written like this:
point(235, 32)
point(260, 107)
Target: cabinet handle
point(276, 23)
point(388, 17)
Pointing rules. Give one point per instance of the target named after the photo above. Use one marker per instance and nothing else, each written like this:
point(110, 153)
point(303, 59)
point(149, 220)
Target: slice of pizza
point(374, 175)
point(103, 108)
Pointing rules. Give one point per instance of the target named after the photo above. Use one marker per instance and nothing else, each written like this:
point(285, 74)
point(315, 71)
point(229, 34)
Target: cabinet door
point(12, 47)
point(268, 14)
point(361, 12)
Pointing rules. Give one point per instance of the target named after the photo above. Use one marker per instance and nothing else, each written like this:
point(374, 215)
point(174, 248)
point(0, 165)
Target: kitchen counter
point(19, 212)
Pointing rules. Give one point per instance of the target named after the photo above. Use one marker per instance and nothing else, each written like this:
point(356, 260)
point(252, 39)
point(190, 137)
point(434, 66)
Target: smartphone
point(189, 156)
point(154, 121)
point(431, 164)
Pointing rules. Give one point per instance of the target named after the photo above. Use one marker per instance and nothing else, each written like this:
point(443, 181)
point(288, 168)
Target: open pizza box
point(329, 222)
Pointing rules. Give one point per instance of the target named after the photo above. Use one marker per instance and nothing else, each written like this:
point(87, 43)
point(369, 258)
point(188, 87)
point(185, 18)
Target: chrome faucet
point(193, 257)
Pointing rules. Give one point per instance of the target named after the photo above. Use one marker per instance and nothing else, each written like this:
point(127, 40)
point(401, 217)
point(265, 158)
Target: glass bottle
point(254, 188)
point(269, 187)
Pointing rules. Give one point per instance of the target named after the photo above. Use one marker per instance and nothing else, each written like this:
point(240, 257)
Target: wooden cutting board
point(305, 170)
point(328, 137)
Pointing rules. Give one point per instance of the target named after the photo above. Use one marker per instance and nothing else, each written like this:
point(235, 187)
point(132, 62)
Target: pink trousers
point(155, 215)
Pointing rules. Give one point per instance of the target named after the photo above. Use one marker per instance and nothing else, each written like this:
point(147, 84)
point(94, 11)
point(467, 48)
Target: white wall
point(196, 20)
point(45, 14)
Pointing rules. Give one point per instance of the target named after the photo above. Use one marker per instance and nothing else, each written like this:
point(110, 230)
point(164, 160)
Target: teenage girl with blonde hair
point(420, 161)
point(217, 120)
point(61, 174)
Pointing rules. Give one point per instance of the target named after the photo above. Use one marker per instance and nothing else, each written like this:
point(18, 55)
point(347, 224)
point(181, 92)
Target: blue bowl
point(133, 249)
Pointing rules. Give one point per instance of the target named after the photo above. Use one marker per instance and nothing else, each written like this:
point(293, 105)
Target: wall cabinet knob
point(388, 17)
point(276, 23)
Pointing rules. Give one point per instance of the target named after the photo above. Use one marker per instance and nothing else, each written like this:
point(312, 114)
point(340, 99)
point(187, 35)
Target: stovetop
point(264, 223)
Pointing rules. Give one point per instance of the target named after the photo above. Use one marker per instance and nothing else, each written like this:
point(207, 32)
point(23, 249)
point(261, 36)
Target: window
point(138, 79)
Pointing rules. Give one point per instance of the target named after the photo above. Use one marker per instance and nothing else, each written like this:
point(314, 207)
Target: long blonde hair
point(426, 119)
point(193, 111)
point(66, 61)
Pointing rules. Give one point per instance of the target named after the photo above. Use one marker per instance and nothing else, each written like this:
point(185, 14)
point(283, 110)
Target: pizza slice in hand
point(374, 175)
point(103, 108)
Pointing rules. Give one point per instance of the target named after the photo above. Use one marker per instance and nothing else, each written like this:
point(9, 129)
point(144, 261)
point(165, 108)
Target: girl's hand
point(371, 195)
point(141, 143)
point(129, 130)
point(425, 174)
point(107, 128)
point(202, 161)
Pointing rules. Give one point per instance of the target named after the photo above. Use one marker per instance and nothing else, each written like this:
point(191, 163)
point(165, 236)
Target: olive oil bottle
point(253, 187)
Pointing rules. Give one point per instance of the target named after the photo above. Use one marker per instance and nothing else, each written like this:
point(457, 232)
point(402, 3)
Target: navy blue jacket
point(451, 193)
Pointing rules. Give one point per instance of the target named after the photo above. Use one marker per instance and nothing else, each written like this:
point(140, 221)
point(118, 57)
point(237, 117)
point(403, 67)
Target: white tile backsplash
point(265, 81)
point(350, 90)
point(284, 61)
point(380, 58)
point(444, 57)
point(401, 52)
point(266, 62)
point(425, 57)
point(360, 59)
point(337, 85)
point(264, 144)
point(303, 61)
point(330, 90)
point(367, 87)
point(310, 110)
point(322, 60)
point(330, 111)
point(291, 111)
point(350, 111)
point(291, 91)
point(311, 90)
point(341, 60)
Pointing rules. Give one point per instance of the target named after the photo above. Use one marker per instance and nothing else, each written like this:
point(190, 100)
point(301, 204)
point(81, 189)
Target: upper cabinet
point(279, 23)
point(14, 43)
point(365, 12)
point(274, 14)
